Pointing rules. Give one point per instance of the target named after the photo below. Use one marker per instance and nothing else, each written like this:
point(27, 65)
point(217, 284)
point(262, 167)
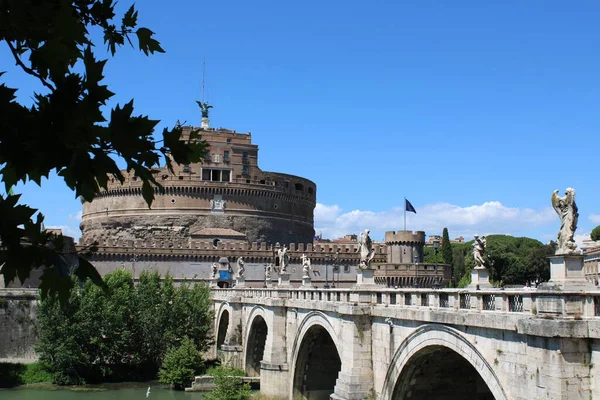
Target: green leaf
point(86, 270)
point(130, 18)
point(148, 193)
point(147, 43)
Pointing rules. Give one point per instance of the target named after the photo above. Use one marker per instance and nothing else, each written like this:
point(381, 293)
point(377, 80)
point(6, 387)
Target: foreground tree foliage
point(123, 334)
point(510, 260)
point(180, 365)
point(65, 131)
point(229, 386)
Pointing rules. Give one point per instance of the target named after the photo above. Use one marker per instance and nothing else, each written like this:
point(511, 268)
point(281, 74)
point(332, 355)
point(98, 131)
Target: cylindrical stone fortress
point(403, 246)
point(226, 196)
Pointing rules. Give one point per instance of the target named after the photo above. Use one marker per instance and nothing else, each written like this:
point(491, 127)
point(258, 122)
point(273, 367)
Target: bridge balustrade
point(523, 301)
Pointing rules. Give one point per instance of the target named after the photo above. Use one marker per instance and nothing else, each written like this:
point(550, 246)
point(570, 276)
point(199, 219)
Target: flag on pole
point(409, 207)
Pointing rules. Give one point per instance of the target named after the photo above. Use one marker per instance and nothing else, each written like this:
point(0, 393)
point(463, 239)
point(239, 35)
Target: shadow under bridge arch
point(316, 359)
point(436, 363)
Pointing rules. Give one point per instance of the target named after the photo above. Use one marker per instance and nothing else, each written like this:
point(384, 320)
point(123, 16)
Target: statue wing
point(556, 199)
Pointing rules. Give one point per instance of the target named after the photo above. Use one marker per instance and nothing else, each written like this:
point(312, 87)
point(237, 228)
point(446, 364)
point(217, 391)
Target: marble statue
point(365, 249)
point(305, 266)
point(204, 106)
point(566, 209)
point(479, 251)
point(240, 265)
point(215, 269)
point(268, 269)
point(284, 258)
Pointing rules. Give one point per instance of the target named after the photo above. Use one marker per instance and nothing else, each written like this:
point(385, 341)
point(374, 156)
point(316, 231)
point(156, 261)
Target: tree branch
point(27, 69)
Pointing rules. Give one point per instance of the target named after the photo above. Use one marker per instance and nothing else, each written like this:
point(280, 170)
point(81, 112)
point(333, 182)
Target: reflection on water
point(130, 391)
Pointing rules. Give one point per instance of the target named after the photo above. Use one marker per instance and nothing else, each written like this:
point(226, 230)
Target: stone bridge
point(413, 343)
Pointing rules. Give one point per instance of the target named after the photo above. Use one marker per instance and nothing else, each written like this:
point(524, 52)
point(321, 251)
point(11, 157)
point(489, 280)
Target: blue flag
point(409, 207)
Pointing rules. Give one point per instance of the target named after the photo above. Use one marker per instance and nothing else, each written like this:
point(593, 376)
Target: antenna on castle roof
point(203, 77)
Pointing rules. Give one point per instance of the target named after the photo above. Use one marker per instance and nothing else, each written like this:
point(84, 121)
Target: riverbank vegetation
point(12, 375)
point(510, 260)
point(123, 333)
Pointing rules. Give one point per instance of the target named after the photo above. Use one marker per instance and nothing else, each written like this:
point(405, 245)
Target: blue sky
point(474, 110)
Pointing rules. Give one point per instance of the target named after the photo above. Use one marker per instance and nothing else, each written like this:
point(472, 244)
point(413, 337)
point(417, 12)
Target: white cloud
point(67, 231)
point(487, 218)
point(595, 218)
point(76, 217)
point(579, 239)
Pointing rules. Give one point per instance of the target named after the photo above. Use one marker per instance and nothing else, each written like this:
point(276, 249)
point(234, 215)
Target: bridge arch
point(316, 358)
point(429, 345)
point(255, 340)
point(222, 321)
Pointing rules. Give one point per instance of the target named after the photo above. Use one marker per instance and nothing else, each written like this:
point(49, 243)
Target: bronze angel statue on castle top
point(204, 106)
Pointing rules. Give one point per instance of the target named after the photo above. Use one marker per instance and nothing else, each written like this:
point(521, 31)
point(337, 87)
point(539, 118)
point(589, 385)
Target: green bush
point(12, 375)
point(36, 373)
point(122, 334)
point(180, 365)
point(228, 384)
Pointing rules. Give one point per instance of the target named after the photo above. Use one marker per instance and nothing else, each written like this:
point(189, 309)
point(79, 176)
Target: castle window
point(311, 190)
point(228, 140)
point(262, 181)
point(216, 175)
point(226, 156)
point(186, 168)
point(245, 170)
point(245, 156)
point(217, 158)
point(299, 186)
point(226, 175)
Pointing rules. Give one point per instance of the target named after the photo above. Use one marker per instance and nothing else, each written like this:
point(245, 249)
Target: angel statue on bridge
point(240, 265)
point(365, 249)
point(305, 266)
point(479, 251)
point(566, 209)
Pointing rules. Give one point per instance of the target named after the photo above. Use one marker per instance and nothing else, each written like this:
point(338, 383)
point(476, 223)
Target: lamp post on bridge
point(335, 268)
point(436, 282)
point(326, 286)
point(134, 259)
point(416, 280)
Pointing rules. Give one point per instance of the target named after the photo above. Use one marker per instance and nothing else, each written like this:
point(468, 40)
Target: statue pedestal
point(480, 278)
point(213, 283)
point(566, 273)
point(204, 124)
point(240, 281)
point(306, 281)
point(268, 282)
point(284, 279)
point(365, 278)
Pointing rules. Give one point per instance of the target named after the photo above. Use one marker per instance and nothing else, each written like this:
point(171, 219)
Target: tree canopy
point(595, 235)
point(124, 334)
point(512, 260)
point(65, 130)
point(446, 247)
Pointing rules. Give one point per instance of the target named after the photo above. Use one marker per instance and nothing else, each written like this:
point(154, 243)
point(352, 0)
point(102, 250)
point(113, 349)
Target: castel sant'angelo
point(227, 197)
point(225, 208)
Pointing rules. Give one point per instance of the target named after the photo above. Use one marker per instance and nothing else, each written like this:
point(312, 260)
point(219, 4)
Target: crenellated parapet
point(199, 251)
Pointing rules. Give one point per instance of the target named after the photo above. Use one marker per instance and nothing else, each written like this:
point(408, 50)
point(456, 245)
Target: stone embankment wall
point(18, 320)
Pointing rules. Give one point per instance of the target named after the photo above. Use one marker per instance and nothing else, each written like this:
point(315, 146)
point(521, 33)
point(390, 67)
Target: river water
point(134, 391)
